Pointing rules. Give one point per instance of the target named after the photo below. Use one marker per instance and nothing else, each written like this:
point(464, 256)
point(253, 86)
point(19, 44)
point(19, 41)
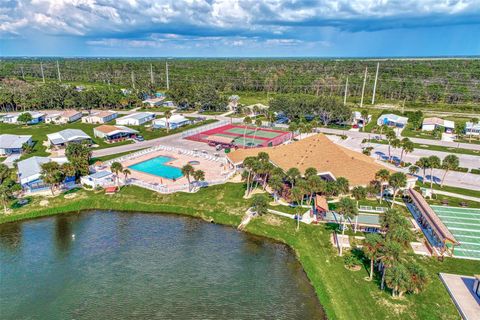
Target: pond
point(118, 265)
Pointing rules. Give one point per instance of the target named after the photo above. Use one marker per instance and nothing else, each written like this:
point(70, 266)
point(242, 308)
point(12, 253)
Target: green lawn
point(466, 192)
point(150, 133)
point(248, 98)
point(344, 294)
point(156, 109)
point(410, 132)
point(452, 202)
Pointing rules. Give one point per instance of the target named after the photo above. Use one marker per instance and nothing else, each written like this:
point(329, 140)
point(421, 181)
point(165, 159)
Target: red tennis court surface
point(242, 136)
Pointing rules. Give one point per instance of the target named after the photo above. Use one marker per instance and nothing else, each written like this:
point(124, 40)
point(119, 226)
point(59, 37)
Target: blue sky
point(222, 28)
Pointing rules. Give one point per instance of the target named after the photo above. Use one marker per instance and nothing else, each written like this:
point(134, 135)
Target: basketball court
point(464, 224)
point(242, 136)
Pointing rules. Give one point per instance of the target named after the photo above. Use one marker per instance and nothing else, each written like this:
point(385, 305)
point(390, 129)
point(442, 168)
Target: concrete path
point(460, 289)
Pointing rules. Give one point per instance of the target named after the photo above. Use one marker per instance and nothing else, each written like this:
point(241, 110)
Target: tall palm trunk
point(371, 268)
point(382, 285)
point(431, 178)
point(443, 178)
point(343, 233)
point(381, 192)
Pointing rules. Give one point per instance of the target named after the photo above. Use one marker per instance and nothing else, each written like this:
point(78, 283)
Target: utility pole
point(58, 72)
point(346, 92)
point(166, 71)
point(23, 74)
point(151, 74)
point(363, 87)
point(375, 83)
point(43, 75)
point(133, 80)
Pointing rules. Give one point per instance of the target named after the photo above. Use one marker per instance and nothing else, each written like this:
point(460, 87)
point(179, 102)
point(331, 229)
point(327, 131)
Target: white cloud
point(227, 18)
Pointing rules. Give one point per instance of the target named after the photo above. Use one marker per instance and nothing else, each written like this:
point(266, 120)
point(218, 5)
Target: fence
point(198, 130)
point(372, 209)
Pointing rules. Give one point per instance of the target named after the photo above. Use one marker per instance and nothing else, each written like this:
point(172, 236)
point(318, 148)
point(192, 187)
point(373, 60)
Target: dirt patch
point(70, 196)
point(44, 203)
point(272, 220)
point(397, 306)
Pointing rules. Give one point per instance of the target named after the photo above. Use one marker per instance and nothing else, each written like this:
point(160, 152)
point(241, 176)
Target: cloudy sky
point(340, 28)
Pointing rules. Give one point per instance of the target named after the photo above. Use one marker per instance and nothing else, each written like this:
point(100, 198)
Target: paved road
point(366, 135)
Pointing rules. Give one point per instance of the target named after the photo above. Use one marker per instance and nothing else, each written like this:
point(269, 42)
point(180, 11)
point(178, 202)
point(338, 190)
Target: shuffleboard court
point(464, 224)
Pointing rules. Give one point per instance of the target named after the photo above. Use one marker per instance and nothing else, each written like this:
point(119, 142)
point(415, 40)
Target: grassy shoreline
point(343, 294)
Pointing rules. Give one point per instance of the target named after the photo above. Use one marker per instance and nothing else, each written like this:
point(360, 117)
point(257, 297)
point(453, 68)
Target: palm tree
point(433, 163)
point(187, 171)
point(423, 164)
point(199, 175)
point(407, 147)
point(396, 181)
point(382, 176)
point(259, 204)
point(68, 169)
point(413, 170)
point(397, 278)
point(343, 185)
point(292, 175)
point(315, 185)
point(116, 168)
point(276, 184)
point(167, 114)
point(310, 172)
point(126, 173)
point(247, 121)
point(347, 208)
point(364, 114)
point(394, 143)
point(292, 127)
point(371, 248)
point(51, 174)
point(297, 196)
point(390, 135)
point(388, 255)
point(248, 164)
point(5, 195)
point(450, 162)
point(418, 277)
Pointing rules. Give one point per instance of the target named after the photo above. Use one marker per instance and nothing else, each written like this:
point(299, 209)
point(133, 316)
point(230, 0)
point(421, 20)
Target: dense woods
point(454, 81)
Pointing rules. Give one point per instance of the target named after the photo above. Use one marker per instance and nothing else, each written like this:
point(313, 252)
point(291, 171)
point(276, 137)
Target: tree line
point(450, 81)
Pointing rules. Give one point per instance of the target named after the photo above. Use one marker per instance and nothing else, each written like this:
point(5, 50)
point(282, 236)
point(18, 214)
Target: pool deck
point(460, 289)
point(213, 170)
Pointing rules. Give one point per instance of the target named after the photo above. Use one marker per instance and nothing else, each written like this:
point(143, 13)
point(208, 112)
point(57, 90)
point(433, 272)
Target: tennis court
point(464, 224)
point(242, 136)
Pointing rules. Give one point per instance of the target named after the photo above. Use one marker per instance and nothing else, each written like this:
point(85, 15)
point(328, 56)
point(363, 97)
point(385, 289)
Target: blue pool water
point(157, 167)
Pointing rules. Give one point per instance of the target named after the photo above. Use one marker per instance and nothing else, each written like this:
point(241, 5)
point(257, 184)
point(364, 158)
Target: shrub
point(461, 169)
point(475, 171)
point(351, 260)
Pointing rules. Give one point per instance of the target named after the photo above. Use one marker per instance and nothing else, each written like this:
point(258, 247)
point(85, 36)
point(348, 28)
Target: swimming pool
point(157, 167)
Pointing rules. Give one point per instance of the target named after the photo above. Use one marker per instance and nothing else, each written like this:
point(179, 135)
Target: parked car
point(139, 138)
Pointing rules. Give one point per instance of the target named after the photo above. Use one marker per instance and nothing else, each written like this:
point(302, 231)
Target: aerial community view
point(238, 159)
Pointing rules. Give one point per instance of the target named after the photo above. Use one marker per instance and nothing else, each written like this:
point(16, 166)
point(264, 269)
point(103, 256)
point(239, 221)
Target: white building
point(358, 120)
point(392, 120)
point(66, 116)
point(430, 124)
point(98, 179)
point(154, 102)
point(472, 129)
point(100, 117)
point(114, 133)
point(12, 118)
point(63, 138)
point(13, 144)
point(136, 119)
point(30, 171)
point(174, 122)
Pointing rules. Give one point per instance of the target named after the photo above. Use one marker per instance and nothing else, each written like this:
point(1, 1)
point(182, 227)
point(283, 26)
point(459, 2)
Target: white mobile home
point(63, 138)
point(100, 117)
point(114, 133)
point(430, 124)
point(136, 119)
point(13, 144)
point(30, 171)
point(12, 118)
point(472, 129)
point(66, 116)
point(392, 120)
point(174, 122)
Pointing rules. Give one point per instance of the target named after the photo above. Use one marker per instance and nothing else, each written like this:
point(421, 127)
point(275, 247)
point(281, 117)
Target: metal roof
point(13, 141)
point(67, 135)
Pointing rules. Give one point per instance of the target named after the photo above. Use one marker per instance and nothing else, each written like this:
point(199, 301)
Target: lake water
point(113, 265)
